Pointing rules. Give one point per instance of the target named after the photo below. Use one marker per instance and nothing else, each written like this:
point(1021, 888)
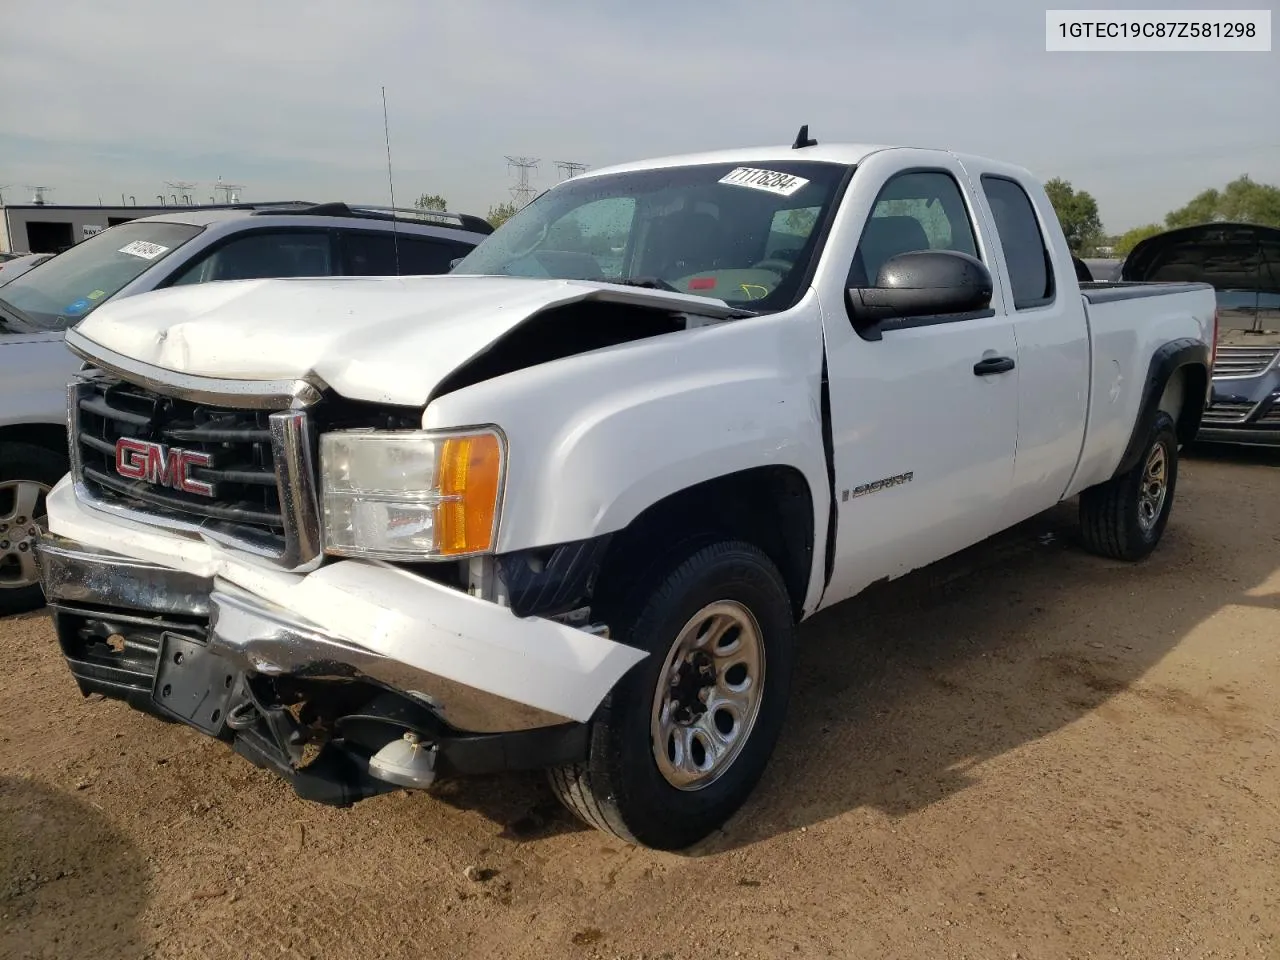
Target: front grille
point(261, 491)
point(1272, 417)
point(1227, 412)
point(1243, 361)
point(243, 469)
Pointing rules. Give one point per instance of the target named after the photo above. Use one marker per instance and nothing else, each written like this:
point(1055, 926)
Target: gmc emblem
point(162, 466)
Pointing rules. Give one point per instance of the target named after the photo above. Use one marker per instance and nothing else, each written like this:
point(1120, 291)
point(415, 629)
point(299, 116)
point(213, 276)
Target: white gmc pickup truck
point(565, 507)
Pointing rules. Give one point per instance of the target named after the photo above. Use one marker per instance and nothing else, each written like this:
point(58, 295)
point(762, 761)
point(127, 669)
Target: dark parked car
point(1242, 262)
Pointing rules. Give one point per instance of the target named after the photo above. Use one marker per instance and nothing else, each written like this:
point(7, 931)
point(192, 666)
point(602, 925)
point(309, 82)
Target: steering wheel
point(773, 265)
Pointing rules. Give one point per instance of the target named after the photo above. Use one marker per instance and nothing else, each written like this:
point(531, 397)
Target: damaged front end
point(339, 721)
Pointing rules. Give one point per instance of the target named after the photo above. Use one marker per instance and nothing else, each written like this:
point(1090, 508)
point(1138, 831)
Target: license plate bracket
point(193, 684)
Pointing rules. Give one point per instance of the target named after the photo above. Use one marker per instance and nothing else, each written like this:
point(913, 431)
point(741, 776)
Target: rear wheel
point(27, 474)
point(681, 741)
point(1125, 517)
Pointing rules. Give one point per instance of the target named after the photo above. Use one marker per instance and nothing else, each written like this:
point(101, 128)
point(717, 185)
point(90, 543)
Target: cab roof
point(846, 153)
point(849, 154)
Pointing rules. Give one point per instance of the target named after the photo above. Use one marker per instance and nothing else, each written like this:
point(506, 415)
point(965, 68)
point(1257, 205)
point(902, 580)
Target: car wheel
point(27, 474)
point(1125, 517)
point(681, 741)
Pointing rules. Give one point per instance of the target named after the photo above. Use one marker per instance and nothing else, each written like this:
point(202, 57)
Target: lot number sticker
point(783, 184)
point(143, 249)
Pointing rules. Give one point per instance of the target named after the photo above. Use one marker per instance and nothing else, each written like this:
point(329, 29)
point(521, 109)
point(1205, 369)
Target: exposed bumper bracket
point(259, 637)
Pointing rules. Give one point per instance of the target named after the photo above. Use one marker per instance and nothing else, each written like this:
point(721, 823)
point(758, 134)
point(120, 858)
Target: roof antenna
point(803, 140)
point(386, 130)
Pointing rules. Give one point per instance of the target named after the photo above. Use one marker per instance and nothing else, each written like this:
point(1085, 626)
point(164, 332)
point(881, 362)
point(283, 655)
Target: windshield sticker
point(783, 184)
point(80, 306)
point(143, 249)
point(96, 295)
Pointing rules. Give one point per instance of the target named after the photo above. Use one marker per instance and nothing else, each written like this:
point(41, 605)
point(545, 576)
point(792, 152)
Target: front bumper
point(481, 668)
point(1244, 410)
point(382, 653)
point(1249, 436)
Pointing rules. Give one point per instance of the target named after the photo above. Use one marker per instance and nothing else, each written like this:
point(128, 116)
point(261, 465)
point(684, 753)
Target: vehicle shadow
point(901, 691)
point(521, 802)
point(70, 884)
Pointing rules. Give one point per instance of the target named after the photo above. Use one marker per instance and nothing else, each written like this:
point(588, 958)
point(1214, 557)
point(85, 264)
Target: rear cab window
point(67, 288)
point(1025, 253)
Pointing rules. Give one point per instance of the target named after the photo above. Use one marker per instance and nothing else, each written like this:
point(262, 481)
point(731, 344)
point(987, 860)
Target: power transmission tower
point(523, 190)
point(569, 168)
point(230, 191)
point(183, 187)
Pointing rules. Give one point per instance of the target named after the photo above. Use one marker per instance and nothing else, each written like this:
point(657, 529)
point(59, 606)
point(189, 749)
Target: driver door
point(923, 442)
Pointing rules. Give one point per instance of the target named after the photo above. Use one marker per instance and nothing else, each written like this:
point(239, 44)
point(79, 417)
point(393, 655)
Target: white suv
point(151, 253)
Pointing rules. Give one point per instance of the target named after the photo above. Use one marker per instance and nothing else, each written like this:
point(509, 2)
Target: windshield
point(742, 234)
point(1249, 311)
point(1240, 261)
point(63, 290)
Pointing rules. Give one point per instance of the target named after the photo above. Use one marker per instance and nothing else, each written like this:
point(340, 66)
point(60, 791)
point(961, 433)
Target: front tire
point(681, 741)
point(27, 473)
point(1125, 517)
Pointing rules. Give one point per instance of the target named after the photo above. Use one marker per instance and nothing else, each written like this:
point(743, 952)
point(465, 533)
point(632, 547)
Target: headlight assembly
point(399, 495)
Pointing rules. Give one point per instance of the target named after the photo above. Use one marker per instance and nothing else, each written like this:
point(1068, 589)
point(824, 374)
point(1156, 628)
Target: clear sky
point(111, 96)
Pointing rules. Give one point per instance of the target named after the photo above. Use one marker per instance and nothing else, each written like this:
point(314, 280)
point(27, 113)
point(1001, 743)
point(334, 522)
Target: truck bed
point(1108, 291)
point(1128, 323)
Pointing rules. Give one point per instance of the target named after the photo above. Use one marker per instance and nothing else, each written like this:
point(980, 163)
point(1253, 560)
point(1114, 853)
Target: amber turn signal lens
point(470, 476)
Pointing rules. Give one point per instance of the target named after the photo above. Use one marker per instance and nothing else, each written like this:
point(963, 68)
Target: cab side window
point(1030, 269)
point(263, 254)
point(919, 210)
point(369, 254)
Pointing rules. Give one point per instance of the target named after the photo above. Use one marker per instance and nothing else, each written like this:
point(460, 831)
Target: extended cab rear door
point(923, 444)
point(1038, 283)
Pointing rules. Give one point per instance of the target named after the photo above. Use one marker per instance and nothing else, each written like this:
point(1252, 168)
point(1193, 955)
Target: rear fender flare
point(1184, 353)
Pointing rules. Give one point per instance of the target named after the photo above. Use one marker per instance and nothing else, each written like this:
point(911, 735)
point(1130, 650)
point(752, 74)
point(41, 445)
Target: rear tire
point(681, 741)
point(27, 473)
point(1125, 517)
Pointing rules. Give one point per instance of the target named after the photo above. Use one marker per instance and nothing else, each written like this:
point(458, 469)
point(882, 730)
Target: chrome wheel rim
point(708, 695)
point(21, 504)
point(1154, 488)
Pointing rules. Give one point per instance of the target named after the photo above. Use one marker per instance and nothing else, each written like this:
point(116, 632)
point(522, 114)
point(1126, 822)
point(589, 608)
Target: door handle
point(992, 365)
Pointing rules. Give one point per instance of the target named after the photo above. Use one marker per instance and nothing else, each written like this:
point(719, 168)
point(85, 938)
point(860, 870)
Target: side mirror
point(455, 261)
point(922, 283)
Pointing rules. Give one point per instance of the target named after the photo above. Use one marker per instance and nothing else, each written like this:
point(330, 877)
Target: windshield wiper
point(653, 283)
point(16, 320)
point(649, 283)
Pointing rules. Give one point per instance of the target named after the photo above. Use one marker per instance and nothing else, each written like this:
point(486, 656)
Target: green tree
point(1241, 201)
point(500, 213)
point(1078, 213)
point(1131, 238)
point(431, 201)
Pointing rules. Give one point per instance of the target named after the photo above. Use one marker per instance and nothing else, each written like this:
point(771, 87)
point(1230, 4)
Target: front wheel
point(1125, 517)
point(682, 740)
point(27, 473)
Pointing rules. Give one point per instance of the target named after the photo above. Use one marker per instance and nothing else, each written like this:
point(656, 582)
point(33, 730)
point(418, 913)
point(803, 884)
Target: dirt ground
point(1022, 752)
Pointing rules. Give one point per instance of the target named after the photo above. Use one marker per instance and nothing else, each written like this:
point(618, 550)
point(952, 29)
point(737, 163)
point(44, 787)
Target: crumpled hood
point(382, 339)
